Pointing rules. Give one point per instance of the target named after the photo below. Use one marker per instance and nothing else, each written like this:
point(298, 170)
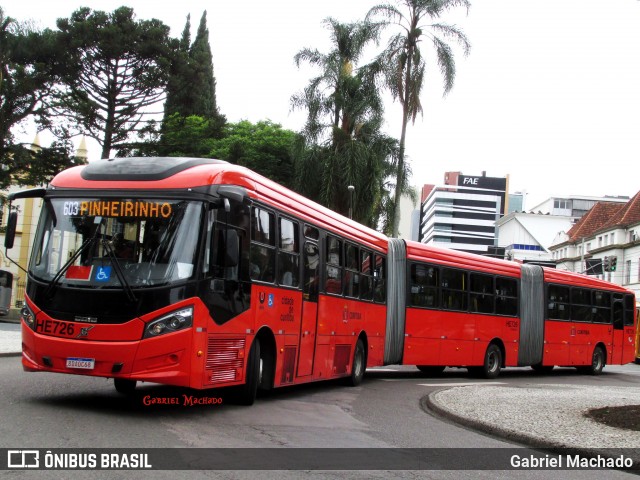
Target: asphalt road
point(41, 410)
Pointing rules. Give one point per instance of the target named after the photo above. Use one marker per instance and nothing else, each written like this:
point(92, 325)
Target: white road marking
point(459, 384)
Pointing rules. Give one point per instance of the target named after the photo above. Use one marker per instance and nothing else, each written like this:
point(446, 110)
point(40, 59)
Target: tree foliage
point(404, 66)
point(190, 136)
point(27, 167)
point(264, 147)
point(342, 141)
point(191, 89)
point(29, 67)
point(27, 73)
point(121, 68)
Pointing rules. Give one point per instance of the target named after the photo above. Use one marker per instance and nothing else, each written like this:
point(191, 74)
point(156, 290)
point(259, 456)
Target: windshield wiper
point(54, 281)
point(116, 266)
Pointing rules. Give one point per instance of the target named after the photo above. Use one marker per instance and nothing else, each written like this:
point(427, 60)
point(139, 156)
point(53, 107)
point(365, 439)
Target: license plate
point(84, 363)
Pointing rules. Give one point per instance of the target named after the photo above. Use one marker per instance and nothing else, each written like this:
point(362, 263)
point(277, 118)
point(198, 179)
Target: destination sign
point(118, 208)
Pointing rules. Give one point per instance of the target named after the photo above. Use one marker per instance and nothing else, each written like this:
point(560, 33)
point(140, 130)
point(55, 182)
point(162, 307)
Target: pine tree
point(202, 67)
point(192, 86)
point(178, 90)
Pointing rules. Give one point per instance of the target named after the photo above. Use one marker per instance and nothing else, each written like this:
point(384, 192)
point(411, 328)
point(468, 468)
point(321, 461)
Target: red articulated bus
point(202, 274)
point(483, 313)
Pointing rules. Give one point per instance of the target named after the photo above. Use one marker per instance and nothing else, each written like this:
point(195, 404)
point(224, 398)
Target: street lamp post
point(351, 189)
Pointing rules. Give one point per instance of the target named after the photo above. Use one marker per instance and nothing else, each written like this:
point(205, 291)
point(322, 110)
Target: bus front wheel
point(248, 391)
point(358, 366)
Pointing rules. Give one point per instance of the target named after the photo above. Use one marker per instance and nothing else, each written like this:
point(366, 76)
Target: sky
point(549, 95)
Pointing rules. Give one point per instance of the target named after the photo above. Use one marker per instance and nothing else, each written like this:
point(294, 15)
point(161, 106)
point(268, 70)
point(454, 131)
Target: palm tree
point(341, 141)
point(403, 65)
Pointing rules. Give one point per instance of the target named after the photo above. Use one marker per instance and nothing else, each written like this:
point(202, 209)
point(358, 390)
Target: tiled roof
point(595, 219)
point(628, 215)
point(604, 216)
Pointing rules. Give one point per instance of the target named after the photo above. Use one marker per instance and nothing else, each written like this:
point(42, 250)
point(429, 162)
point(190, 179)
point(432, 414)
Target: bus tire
point(597, 363)
point(248, 391)
point(538, 367)
point(430, 370)
point(358, 366)
point(124, 385)
point(492, 362)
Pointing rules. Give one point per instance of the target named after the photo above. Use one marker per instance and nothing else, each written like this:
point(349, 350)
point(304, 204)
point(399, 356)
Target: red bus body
point(347, 301)
point(305, 340)
point(441, 337)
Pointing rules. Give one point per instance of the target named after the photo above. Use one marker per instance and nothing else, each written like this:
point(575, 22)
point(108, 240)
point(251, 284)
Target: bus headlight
point(28, 316)
point(172, 322)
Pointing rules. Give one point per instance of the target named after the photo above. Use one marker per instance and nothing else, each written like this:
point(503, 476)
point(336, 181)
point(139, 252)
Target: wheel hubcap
point(358, 363)
point(493, 362)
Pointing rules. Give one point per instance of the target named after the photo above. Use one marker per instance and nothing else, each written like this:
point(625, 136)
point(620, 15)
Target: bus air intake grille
point(225, 359)
point(288, 365)
point(341, 359)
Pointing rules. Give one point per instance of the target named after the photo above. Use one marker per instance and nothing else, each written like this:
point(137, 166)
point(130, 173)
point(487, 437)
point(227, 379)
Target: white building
point(526, 237)
point(608, 231)
point(461, 214)
point(574, 206)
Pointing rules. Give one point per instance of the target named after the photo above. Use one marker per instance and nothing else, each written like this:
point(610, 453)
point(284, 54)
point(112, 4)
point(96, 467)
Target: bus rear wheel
point(492, 362)
point(124, 385)
point(358, 366)
point(597, 363)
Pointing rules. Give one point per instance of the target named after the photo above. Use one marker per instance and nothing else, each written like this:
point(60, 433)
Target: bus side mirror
point(231, 248)
point(10, 234)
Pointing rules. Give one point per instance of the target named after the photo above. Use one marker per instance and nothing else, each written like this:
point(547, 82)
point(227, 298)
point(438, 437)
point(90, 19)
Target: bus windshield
point(131, 243)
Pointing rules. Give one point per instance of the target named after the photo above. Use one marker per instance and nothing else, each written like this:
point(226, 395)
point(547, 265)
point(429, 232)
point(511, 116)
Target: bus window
point(333, 259)
point(581, 310)
point(629, 307)
point(262, 255)
point(311, 257)
point(424, 286)
point(311, 232)
point(352, 271)
point(558, 303)
point(379, 279)
point(481, 297)
point(601, 310)
point(506, 296)
point(454, 296)
point(366, 283)
point(288, 257)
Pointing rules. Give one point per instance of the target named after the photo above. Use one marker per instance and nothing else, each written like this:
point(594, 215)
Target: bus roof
point(455, 258)
point(577, 279)
point(155, 173)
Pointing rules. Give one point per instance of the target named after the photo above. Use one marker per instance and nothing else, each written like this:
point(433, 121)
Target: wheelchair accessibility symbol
point(103, 274)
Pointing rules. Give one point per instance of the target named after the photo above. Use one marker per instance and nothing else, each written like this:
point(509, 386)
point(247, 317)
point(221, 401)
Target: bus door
point(618, 340)
point(309, 324)
point(624, 333)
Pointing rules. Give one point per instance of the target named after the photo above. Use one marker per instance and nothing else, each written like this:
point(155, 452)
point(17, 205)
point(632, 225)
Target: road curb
point(429, 404)
point(10, 354)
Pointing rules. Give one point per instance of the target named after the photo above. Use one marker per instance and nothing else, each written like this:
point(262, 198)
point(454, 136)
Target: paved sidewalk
point(544, 416)
point(10, 339)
